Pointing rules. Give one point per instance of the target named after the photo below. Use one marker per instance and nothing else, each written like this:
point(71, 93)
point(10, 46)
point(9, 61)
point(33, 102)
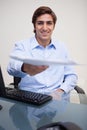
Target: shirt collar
point(35, 44)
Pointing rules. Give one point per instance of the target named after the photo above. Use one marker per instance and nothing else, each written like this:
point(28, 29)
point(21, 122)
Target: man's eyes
point(39, 23)
point(42, 23)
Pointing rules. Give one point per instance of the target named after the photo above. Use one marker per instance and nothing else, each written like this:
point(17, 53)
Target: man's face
point(44, 27)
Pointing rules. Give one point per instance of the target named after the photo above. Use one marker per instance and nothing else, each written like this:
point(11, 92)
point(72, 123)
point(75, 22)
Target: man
point(44, 79)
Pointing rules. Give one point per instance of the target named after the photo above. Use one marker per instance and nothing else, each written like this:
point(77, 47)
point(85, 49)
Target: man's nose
point(45, 26)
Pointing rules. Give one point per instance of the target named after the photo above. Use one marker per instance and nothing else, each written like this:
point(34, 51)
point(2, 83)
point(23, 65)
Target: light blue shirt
point(54, 77)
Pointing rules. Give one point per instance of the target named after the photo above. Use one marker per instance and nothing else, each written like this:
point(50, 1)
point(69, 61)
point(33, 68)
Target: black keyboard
point(27, 96)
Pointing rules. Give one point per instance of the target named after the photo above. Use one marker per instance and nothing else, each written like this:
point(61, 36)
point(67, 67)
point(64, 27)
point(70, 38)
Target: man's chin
point(45, 39)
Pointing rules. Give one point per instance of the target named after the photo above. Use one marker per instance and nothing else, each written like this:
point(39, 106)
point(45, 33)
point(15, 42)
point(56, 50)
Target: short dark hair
point(43, 10)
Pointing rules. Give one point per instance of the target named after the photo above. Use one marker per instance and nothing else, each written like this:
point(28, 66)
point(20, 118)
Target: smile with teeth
point(44, 33)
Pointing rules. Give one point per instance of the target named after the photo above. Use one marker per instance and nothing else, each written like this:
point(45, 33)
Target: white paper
point(42, 62)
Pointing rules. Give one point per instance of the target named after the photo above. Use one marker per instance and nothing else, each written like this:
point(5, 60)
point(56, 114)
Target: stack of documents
point(43, 62)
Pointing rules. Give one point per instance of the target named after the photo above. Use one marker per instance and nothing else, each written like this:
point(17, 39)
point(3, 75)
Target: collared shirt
point(54, 77)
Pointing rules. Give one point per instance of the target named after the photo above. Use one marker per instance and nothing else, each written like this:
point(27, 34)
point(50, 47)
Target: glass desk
point(21, 116)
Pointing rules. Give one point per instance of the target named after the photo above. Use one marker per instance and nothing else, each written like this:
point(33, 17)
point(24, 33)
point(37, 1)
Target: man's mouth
point(44, 33)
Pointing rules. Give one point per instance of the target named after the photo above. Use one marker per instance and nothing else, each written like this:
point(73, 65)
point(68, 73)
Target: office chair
point(79, 90)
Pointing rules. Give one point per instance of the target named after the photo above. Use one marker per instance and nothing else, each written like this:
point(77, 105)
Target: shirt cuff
point(66, 88)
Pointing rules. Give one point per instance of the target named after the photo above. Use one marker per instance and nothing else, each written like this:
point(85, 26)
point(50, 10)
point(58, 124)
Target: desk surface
point(21, 116)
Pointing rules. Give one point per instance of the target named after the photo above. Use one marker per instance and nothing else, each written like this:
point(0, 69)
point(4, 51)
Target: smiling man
point(44, 79)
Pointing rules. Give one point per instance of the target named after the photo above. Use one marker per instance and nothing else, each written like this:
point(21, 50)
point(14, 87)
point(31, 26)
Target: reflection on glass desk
point(21, 116)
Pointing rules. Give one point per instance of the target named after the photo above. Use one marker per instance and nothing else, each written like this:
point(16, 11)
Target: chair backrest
point(16, 81)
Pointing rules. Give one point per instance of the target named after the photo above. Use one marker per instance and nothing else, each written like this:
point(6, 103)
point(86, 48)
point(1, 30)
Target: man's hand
point(33, 69)
point(57, 94)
